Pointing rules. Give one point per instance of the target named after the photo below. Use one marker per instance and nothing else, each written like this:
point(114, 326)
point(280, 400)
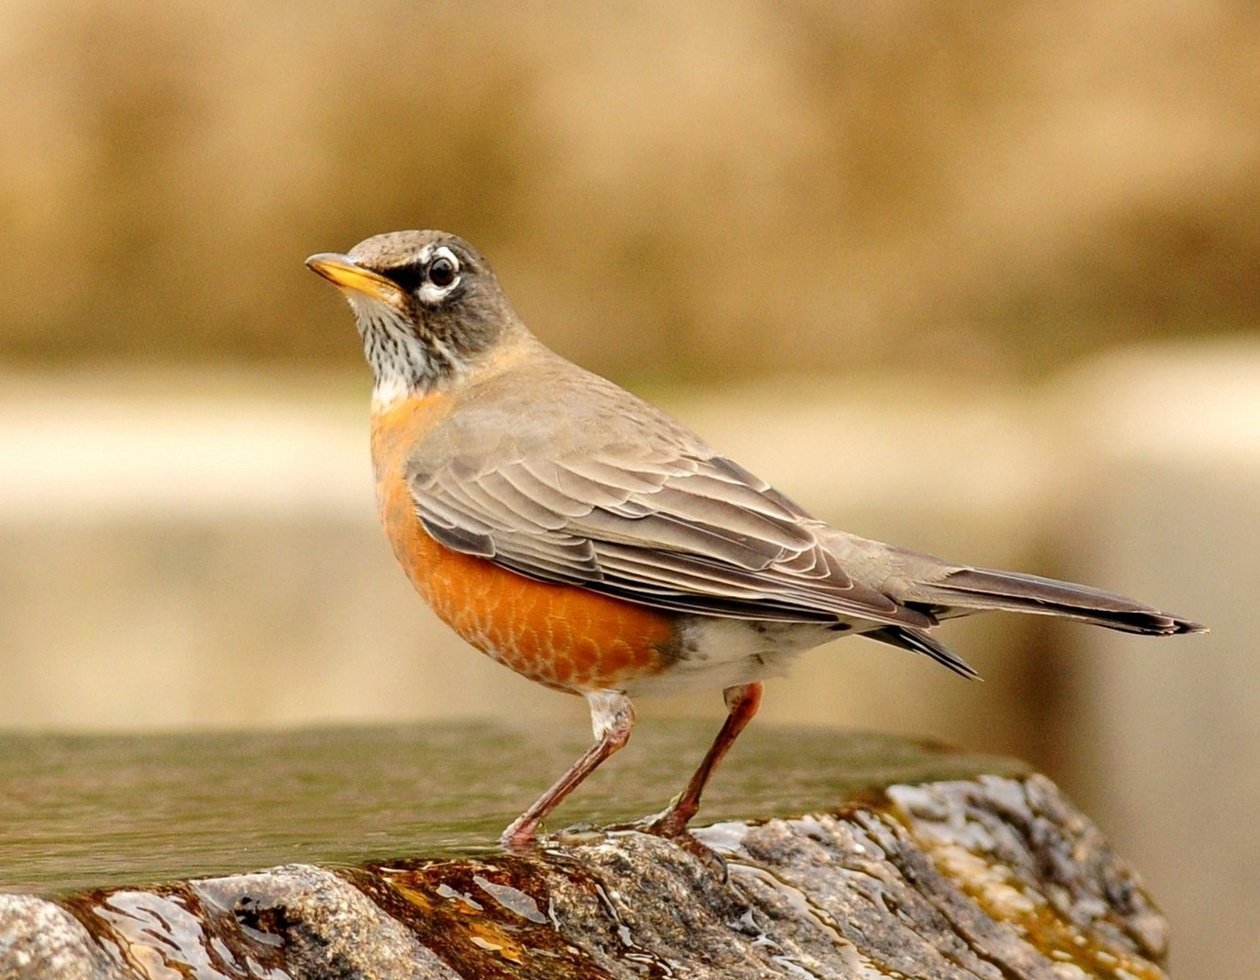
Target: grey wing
point(687, 533)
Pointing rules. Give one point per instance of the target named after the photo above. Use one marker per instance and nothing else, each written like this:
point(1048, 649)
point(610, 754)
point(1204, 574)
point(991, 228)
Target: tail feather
point(917, 641)
point(980, 588)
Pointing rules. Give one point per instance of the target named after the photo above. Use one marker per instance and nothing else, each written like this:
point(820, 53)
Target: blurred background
point(977, 279)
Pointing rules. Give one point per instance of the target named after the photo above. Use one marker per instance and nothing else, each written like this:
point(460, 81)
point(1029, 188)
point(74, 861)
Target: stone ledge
point(988, 877)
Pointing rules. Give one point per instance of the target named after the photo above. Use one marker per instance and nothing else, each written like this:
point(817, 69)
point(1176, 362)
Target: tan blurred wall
point(1164, 748)
point(168, 546)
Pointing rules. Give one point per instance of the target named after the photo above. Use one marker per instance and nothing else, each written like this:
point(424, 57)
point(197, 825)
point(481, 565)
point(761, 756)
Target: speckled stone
point(40, 939)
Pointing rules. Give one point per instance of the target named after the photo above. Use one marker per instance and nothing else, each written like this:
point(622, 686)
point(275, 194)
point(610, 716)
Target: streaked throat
point(403, 364)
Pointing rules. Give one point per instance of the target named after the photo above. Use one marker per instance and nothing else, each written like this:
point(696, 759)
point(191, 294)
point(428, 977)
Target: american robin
point(594, 544)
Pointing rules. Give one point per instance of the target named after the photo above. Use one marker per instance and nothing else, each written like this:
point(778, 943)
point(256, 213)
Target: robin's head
point(426, 303)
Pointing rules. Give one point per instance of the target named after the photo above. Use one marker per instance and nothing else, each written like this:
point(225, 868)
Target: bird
point(593, 543)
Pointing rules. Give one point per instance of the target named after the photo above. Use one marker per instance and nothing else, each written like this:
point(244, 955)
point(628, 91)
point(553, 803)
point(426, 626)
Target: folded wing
point(687, 533)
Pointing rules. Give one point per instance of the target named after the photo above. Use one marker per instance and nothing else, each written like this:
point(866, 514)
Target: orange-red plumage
point(564, 637)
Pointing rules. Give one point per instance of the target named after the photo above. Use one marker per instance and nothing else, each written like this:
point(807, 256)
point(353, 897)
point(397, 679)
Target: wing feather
point(541, 492)
point(685, 533)
point(519, 505)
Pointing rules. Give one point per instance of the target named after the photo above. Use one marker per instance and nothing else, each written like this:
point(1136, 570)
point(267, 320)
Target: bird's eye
point(442, 271)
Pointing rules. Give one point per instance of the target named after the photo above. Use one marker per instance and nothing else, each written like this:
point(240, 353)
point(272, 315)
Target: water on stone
point(82, 811)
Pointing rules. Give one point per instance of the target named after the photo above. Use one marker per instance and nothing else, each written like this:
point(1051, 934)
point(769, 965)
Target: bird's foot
point(673, 820)
point(669, 823)
point(521, 835)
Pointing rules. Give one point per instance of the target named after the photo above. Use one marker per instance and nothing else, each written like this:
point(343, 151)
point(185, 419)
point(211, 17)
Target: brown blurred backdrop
point(975, 188)
point(978, 278)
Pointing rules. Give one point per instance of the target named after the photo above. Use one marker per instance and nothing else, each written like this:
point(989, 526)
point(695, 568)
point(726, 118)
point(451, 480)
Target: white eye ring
point(441, 275)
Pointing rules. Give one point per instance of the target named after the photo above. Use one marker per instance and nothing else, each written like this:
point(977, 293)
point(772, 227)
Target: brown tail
point(981, 588)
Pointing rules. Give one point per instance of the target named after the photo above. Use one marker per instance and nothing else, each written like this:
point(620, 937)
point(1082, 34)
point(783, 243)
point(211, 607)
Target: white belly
point(720, 653)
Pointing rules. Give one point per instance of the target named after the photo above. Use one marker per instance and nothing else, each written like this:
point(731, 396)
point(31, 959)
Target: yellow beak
point(344, 273)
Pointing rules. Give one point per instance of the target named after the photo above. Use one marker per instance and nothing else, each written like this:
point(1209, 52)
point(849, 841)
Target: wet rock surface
point(994, 877)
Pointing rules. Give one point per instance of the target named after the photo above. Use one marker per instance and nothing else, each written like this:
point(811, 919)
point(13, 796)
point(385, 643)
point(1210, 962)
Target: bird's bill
point(344, 273)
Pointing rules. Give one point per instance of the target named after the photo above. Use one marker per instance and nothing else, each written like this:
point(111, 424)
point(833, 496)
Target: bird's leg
point(612, 717)
point(742, 702)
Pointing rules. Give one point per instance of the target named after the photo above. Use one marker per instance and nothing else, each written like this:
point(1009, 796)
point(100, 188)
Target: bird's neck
point(408, 364)
point(404, 365)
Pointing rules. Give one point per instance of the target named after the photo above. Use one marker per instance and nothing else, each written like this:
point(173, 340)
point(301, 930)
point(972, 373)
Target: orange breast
point(561, 636)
